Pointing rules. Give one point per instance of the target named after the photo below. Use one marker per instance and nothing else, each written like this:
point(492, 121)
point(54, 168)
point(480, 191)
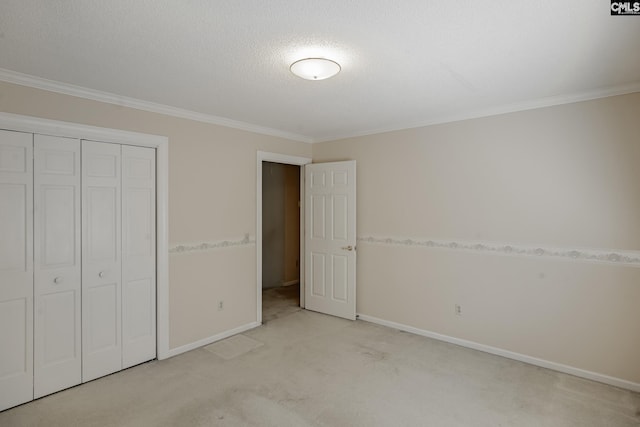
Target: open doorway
point(280, 240)
point(280, 247)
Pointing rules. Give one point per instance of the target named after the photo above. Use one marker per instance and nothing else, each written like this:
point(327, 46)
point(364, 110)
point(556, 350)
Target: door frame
point(264, 156)
point(30, 124)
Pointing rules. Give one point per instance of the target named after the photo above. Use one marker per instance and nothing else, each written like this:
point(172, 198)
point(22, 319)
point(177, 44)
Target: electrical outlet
point(458, 310)
point(220, 305)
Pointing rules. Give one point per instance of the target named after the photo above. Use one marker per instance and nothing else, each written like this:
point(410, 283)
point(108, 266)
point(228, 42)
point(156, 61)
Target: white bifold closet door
point(101, 260)
point(118, 261)
point(16, 268)
point(77, 262)
point(138, 255)
point(57, 305)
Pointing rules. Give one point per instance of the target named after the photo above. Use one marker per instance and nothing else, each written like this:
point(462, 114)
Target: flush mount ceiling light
point(315, 68)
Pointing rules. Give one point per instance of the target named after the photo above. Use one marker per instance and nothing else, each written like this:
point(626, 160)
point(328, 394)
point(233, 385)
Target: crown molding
point(607, 256)
point(22, 79)
point(496, 111)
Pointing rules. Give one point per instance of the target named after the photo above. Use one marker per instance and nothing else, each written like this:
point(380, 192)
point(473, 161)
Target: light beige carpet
point(280, 302)
point(234, 346)
point(317, 370)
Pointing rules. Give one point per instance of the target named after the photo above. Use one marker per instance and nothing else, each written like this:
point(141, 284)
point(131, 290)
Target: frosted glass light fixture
point(315, 68)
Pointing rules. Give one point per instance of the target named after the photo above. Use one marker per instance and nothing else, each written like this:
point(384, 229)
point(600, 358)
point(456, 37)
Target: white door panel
point(16, 268)
point(102, 222)
point(101, 260)
point(330, 238)
point(13, 213)
point(57, 341)
point(340, 280)
point(139, 255)
point(101, 319)
point(317, 270)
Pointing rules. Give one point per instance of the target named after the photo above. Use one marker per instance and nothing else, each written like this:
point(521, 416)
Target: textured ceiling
point(404, 62)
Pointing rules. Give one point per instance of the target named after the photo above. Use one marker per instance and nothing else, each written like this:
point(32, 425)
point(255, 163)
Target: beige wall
point(212, 197)
point(564, 176)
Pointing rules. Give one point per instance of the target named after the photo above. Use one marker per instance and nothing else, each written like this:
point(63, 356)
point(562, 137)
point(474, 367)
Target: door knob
point(102, 274)
point(347, 248)
point(57, 280)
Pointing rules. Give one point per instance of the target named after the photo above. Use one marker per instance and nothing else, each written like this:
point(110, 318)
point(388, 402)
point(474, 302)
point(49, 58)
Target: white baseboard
point(617, 382)
point(206, 341)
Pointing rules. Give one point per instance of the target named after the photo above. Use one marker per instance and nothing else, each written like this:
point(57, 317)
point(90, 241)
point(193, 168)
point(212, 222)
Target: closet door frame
point(29, 124)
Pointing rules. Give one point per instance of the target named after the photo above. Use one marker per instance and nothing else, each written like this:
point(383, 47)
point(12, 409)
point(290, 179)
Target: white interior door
point(138, 255)
point(57, 341)
point(101, 260)
point(330, 238)
point(16, 268)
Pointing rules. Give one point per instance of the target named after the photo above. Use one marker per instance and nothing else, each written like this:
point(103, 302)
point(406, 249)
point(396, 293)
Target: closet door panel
point(101, 260)
point(57, 341)
point(13, 213)
point(102, 317)
point(16, 268)
point(139, 256)
point(102, 224)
